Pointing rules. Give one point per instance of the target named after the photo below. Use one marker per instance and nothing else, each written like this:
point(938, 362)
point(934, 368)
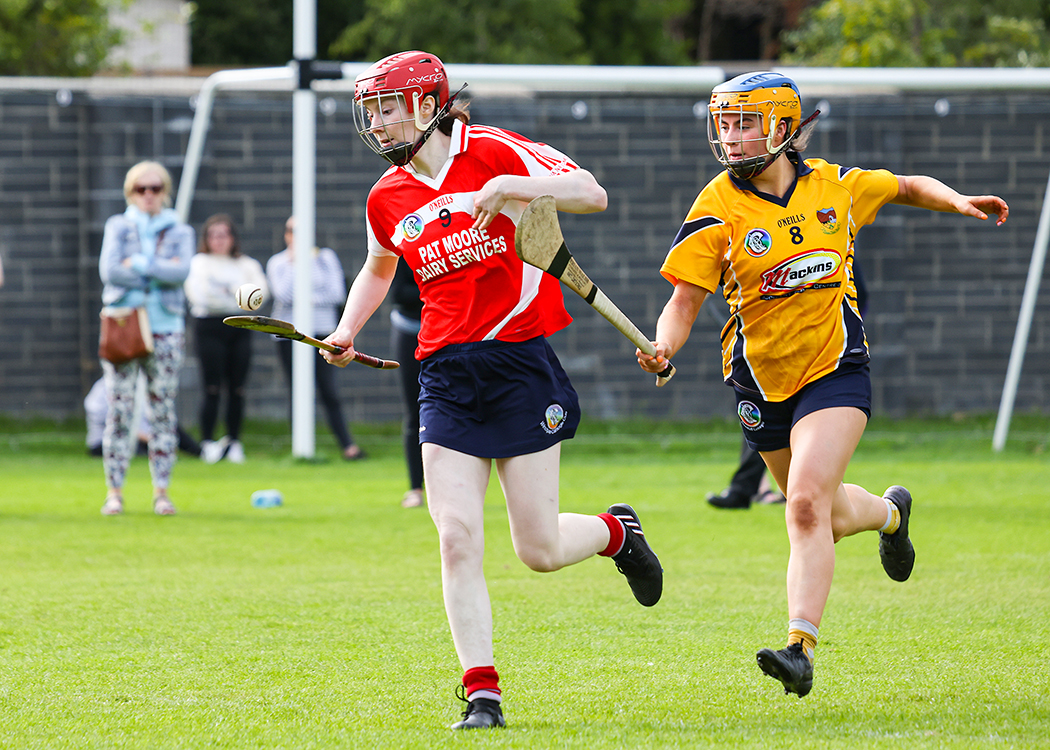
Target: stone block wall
point(945, 291)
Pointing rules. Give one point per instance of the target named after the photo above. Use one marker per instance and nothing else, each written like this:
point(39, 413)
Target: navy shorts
point(767, 424)
point(494, 399)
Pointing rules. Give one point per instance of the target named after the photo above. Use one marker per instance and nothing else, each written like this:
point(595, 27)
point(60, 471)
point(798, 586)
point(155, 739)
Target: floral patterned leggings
point(162, 379)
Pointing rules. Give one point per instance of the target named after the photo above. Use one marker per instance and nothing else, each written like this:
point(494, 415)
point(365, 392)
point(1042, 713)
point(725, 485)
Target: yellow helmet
point(774, 98)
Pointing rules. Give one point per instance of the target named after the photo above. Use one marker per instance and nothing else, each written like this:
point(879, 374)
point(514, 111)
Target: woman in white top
point(224, 353)
point(329, 294)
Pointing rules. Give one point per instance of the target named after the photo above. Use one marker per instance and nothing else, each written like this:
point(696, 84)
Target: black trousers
point(327, 390)
point(225, 356)
point(748, 475)
point(403, 345)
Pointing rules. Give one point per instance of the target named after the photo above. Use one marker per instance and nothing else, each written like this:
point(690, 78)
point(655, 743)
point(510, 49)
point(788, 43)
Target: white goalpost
point(1024, 324)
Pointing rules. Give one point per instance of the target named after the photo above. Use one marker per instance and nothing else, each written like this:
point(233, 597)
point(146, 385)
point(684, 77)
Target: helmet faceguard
point(399, 84)
point(772, 98)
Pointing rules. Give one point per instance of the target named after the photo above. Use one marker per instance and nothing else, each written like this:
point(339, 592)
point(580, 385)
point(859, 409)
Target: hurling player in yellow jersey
point(776, 233)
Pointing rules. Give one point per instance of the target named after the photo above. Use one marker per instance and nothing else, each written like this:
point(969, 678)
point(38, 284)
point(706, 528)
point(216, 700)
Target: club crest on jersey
point(749, 414)
point(412, 226)
point(553, 419)
point(803, 271)
point(829, 220)
point(757, 242)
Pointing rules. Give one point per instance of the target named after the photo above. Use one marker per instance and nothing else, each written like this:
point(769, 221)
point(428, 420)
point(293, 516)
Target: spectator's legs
point(117, 445)
point(238, 363)
point(404, 347)
point(211, 356)
point(162, 376)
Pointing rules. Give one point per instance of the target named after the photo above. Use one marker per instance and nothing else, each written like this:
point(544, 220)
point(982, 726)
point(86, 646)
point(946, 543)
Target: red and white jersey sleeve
point(473, 285)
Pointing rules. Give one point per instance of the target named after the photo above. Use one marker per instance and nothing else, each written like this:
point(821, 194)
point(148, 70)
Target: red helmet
point(408, 77)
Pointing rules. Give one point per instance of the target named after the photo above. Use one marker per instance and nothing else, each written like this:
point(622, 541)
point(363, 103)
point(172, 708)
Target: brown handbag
point(124, 334)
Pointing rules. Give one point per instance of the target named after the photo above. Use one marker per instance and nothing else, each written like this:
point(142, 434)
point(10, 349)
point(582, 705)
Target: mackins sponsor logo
point(553, 419)
point(412, 226)
point(749, 414)
point(802, 271)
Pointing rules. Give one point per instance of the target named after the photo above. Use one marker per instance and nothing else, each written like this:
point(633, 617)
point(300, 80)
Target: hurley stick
point(539, 242)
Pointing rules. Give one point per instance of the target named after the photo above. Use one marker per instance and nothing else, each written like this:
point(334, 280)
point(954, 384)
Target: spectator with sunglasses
point(145, 258)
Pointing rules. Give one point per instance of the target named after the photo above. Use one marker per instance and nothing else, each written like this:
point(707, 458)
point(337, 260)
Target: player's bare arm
point(575, 192)
point(365, 296)
point(674, 325)
point(922, 191)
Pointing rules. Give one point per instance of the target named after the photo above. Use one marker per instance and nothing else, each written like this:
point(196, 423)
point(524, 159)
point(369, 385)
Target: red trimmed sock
point(616, 534)
point(485, 679)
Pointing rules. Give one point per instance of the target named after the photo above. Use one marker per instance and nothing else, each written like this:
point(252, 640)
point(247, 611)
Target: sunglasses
point(143, 189)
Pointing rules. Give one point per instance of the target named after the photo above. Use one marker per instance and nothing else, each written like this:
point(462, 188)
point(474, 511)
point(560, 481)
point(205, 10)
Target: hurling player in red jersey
point(776, 233)
point(491, 388)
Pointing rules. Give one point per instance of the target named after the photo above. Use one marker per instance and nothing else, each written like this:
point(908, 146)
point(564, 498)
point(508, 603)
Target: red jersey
point(473, 285)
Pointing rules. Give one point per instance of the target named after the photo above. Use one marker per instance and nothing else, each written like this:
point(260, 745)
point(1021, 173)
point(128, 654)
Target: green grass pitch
point(320, 624)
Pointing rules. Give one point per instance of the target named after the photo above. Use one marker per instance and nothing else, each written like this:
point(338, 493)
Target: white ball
point(249, 297)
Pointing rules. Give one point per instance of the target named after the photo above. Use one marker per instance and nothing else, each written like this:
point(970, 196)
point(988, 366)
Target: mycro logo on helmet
point(432, 78)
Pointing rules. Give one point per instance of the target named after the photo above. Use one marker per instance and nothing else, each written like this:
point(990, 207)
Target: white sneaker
point(212, 451)
point(163, 506)
point(114, 505)
point(412, 499)
point(235, 453)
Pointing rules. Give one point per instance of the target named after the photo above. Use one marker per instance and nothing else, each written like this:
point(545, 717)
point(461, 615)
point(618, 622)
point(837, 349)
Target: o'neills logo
point(801, 271)
point(553, 419)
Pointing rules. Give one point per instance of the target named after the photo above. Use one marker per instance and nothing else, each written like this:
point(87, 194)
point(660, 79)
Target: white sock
point(890, 510)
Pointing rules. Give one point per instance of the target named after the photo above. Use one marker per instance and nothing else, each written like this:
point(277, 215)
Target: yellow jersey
point(785, 266)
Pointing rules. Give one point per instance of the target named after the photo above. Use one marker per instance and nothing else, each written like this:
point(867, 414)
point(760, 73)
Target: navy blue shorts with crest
point(495, 399)
point(767, 424)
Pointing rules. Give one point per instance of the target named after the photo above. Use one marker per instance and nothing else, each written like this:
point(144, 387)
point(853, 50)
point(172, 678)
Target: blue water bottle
point(267, 499)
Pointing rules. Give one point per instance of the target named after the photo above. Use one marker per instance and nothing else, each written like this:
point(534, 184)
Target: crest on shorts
point(553, 419)
point(412, 226)
point(749, 414)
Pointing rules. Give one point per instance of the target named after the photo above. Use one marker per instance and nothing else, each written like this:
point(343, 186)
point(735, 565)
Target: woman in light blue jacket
point(145, 259)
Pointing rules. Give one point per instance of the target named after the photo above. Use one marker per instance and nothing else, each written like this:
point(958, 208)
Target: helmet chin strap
point(405, 152)
point(775, 154)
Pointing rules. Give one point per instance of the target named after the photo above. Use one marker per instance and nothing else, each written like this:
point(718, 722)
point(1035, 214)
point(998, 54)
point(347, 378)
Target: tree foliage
point(466, 31)
point(921, 33)
point(55, 37)
point(232, 32)
point(628, 32)
point(602, 32)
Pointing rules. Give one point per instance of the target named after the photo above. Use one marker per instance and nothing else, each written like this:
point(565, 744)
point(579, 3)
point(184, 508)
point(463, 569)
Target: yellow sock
point(804, 632)
point(893, 518)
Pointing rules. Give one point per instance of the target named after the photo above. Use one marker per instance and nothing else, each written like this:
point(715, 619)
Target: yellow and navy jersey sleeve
point(698, 252)
point(786, 270)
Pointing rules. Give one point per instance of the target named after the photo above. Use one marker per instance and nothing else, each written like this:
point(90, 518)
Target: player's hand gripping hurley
point(285, 330)
point(538, 241)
